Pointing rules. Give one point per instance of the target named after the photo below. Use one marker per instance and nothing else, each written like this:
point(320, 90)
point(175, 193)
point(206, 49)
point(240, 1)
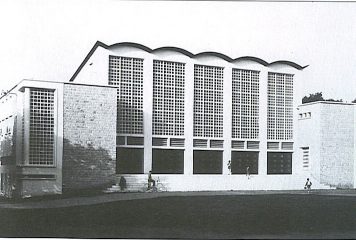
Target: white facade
point(326, 135)
point(268, 127)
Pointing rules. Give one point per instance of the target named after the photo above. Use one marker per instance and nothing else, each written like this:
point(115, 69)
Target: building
point(56, 137)
point(327, 140)
point(129, 109)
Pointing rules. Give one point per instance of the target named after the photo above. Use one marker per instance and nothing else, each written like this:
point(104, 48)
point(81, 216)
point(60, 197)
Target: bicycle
point(159, 187)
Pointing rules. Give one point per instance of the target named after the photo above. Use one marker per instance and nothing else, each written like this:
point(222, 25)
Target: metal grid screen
point(127, 75)
point(168, 98)
point(245, 104)
point(280, 106)
point(41, 144)
point(208, 101)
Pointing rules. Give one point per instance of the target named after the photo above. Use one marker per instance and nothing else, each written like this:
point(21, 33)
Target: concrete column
point(262, 160)
point(188, 118)
point(59, 132)
point(227, 110)
point(19, 133)
point(354, 107)
point(26, 139)
point(147, 112)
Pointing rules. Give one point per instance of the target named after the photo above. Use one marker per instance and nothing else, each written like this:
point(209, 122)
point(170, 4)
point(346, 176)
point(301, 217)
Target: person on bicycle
point(151, 180)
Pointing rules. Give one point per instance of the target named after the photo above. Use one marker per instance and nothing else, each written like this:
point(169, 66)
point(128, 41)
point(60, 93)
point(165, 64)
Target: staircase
point(138, 183)
point(134, 183)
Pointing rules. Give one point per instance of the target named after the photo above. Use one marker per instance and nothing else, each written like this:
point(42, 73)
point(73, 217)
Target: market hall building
point(129, 109)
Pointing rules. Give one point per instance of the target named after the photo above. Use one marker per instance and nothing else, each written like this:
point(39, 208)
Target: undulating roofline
point(183, 51)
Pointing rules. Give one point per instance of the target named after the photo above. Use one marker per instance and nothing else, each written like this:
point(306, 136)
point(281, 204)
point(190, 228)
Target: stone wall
point(7, 144)
point(337, 145)
point(89, 147)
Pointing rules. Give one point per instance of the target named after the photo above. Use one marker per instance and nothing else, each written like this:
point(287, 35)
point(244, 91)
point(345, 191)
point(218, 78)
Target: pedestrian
point(229, 166)
point(308, 185)
point(248, 172)
point(122, 183)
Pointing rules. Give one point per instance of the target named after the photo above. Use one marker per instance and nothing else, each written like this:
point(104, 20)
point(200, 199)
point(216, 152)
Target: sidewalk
point(124, 196)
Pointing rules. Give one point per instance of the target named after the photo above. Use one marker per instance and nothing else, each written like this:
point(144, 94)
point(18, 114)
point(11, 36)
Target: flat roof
point(326, 102)
point(55, 82)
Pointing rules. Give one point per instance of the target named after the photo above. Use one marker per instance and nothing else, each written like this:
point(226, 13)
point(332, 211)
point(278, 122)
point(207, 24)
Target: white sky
point(49, 39)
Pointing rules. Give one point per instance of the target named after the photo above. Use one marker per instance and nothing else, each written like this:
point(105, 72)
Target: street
point(219, 216)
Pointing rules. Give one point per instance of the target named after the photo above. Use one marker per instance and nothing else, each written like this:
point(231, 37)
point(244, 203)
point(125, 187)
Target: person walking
point(229, 166)
point(308, 185)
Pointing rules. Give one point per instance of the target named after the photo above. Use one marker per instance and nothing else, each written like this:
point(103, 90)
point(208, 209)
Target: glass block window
point(127, 75)
point(245, 104)
point(208, 101)
point(168, 98)
point(41, 127)
point(280, 106)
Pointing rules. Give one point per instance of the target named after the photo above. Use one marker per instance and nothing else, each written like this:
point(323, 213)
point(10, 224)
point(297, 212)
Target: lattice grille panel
point(245, 104)
point(208, 101)
point(168, 98)
point(280, 106)
point(41, 142)
point(127, 75)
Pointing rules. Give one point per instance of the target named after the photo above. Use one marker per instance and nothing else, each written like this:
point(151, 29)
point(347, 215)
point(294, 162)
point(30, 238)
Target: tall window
point(208, 101)
point(245, 104)
point(127, 75)
point(280, 106)
point(41, 127)
point(168, 98)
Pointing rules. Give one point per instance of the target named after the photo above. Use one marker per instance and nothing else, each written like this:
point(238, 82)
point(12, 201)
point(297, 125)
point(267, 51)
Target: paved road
point(202, 215)
point(124, 196)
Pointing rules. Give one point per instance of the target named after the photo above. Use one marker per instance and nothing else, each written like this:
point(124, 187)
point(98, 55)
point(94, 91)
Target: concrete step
point(138, 182)
point(135, 183)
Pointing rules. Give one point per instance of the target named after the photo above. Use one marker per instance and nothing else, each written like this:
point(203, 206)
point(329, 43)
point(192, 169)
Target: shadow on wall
point(86, 167)
point(8, 162)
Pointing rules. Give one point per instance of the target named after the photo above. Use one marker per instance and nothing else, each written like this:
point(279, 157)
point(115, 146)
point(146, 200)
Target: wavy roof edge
point(182, 51)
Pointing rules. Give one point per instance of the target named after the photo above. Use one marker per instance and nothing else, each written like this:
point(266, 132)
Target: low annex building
point(129, 109)
point(327, 139)
point(56, 136)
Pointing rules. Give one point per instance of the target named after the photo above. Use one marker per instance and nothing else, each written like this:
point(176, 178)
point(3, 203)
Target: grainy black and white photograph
point(177, 119)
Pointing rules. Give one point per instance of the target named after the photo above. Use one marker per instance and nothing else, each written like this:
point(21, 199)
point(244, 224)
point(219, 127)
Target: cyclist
point(150, 180)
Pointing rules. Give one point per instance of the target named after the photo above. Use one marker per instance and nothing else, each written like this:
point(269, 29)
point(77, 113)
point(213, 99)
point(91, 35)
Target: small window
point(202, 143)
point(305, 158)
point(238, 144)
point(273, 145)
point(135, 141)
point(216, 143)
point(120, 140)
point(159, 142)
point(177, 142)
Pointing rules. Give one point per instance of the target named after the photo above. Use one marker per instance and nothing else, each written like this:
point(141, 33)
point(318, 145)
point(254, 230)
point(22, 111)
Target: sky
point(47, 40)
